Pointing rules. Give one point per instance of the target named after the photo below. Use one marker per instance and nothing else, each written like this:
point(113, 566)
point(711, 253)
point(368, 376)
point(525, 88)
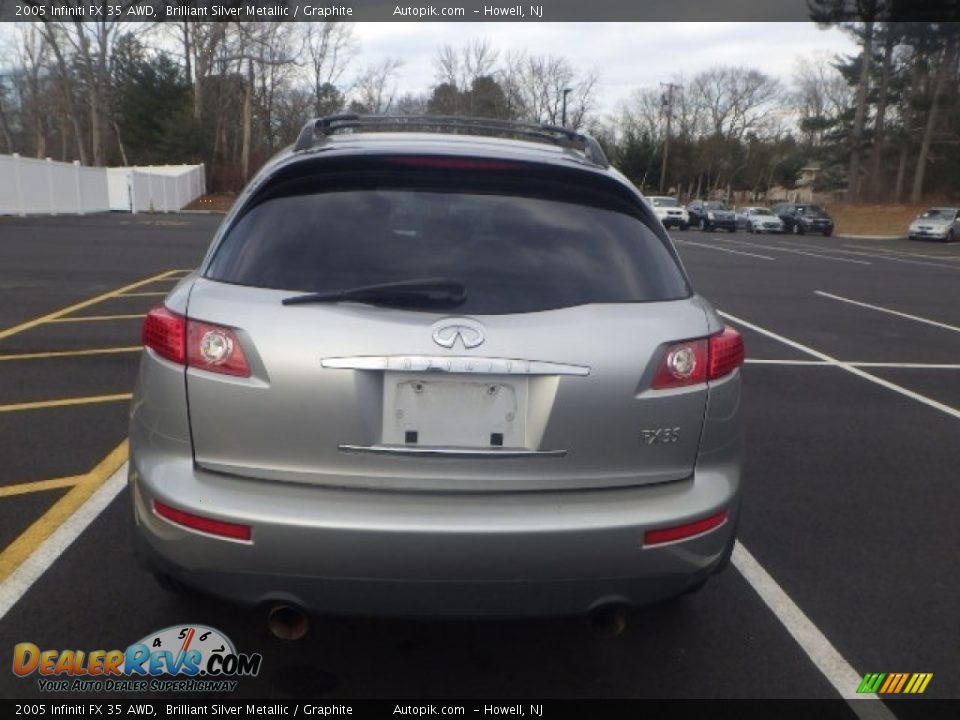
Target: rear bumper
point(462, 554)
point(369, 553)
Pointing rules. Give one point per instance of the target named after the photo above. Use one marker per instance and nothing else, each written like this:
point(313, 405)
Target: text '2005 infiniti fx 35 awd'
point(437, 366)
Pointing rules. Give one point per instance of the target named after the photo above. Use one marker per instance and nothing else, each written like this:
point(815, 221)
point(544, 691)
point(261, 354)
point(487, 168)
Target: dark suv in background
point(802, 218)
point(712, 215)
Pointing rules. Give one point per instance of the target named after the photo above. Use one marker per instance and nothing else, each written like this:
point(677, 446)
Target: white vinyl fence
point(45, 187)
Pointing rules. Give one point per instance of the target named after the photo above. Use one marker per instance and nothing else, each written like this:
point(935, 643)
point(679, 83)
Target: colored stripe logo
point(895, 683)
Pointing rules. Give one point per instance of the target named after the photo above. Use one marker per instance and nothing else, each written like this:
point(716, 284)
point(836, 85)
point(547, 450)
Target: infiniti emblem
point(446, 335)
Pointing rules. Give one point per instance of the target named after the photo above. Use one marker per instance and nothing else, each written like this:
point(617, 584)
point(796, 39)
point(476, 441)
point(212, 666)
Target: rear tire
point(951, 237)
point(827, 233)
point(795, 228)
point(703, 225)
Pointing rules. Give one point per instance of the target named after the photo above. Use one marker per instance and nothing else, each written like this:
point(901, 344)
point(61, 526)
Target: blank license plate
point(454, 411)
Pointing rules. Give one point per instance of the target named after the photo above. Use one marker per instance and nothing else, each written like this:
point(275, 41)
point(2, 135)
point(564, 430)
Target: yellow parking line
point(80, 305)
point(30, 539)
point(65, 402)
point(39, 485)
point(95, 318)
point(71, 353)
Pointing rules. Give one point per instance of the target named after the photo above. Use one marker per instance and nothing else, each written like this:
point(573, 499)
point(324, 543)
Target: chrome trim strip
point(454, 364)
point(449, 452)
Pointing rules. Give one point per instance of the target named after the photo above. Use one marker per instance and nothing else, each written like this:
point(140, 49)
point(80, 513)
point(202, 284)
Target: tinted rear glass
point(665, 202)
point(715, 206)
point(514, 253)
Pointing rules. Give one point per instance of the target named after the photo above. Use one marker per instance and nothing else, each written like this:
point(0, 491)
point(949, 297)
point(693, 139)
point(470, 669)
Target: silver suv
point(437, 366)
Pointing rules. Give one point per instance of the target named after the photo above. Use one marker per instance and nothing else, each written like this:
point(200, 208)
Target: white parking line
point(888, 251)
point(890, 365)
point(20, 580)
point(880, 308)
point(797, 252)
point(835, 668)
point(728, 250)
point(870, 255)
point(930, 402)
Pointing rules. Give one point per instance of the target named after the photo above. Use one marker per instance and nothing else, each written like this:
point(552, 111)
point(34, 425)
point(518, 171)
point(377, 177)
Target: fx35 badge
point(660, 436)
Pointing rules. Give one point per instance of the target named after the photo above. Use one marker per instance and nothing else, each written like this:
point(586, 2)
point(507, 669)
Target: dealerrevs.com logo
point(180, 658)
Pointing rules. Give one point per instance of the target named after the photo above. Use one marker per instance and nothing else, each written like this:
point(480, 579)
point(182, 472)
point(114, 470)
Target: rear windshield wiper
point(425, 292)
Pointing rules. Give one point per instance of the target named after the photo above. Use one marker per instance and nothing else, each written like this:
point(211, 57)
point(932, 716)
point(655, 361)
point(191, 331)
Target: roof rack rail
point(323, 127)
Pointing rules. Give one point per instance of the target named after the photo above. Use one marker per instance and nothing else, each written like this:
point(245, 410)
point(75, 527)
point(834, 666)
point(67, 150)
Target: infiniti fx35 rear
point(437, 374)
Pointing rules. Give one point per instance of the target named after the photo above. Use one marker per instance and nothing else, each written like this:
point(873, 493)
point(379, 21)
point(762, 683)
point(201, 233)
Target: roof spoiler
point(315, 131)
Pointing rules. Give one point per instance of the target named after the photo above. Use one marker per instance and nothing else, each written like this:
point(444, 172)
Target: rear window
point(513, 252)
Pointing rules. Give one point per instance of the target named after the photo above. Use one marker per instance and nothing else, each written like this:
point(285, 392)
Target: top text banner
point(475, 10)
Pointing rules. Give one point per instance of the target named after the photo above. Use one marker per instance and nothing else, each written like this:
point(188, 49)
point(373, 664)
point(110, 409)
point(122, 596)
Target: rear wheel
point(703, 225)
point(951, 236)
point(827, 233)
point(750, 228)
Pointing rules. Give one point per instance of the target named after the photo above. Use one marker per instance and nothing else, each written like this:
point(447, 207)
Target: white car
point(759, 219)
point(939, 223)
point(670, 212)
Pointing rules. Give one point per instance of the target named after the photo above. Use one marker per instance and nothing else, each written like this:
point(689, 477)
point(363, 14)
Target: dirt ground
point(850, 219)
point(874, 219)
point(216, 202)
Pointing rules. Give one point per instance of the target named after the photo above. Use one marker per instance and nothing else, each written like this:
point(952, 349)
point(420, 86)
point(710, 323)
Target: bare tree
point(535, 85)
point(735, 100)
point(374, 89)
point(819, 96)
point(330, 47)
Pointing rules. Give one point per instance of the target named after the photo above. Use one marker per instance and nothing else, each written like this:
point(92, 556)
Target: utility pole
point(563, 120)
point(668, 103)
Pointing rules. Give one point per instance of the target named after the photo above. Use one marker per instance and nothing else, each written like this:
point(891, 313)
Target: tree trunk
point(879, 141)
point(901, 173)
point(247, 124)
point(946, 61)
point(856, 136)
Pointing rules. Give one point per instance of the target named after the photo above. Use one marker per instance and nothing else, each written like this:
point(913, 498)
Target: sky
point(628, 55)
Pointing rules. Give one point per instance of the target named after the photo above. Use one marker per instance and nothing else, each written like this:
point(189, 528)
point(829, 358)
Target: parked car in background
point(421, 372)
point(939, 223)
point(669, 211)
point(803, 218)
point(759, 219)
point(712, 215)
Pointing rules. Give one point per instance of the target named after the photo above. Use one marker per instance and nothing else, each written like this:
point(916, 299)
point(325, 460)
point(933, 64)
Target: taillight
point(194, 343)
point(692, 362)
point(215, 349)
point(683, 364)
point(726, 353)
point(164, 332)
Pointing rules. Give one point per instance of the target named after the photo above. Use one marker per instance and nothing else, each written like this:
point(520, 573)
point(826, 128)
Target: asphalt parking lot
point(848, 561)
